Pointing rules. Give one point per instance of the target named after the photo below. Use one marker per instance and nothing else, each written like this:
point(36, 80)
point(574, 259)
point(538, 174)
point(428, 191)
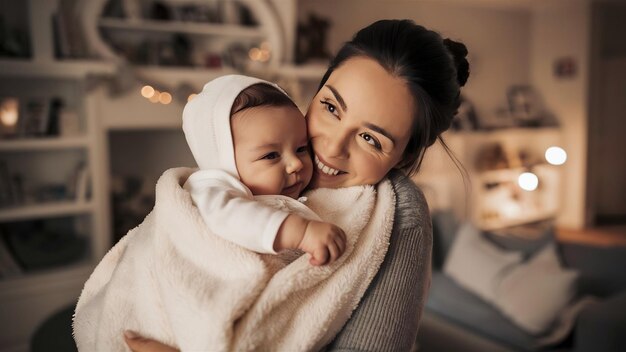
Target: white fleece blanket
point(172, 280)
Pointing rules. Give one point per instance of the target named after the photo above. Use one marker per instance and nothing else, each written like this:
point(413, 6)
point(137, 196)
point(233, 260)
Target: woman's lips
point(325, 168)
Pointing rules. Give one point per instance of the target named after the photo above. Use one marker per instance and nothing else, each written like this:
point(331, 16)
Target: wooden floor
point(599, 236)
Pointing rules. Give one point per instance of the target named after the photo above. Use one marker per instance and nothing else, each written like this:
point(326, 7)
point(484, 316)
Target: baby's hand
point(324, 241)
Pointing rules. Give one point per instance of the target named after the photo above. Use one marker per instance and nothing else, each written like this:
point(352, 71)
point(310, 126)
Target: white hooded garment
point(225, 203)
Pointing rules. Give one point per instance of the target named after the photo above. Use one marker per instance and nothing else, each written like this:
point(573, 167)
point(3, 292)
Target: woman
point(387, 96)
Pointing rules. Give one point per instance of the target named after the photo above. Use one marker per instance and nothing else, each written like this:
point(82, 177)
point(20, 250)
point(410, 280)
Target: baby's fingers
point(334, 250)
point(319, 257)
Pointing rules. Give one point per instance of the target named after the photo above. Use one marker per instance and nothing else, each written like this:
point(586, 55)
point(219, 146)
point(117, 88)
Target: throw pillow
point(533, 294)
point(477, 265)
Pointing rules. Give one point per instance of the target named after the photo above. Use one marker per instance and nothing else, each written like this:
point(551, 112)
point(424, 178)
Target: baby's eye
point(271, 156)
point(302, 149)
point(370, 140)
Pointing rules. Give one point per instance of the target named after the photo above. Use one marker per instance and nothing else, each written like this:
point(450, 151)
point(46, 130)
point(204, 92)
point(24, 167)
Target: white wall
point(497, 38)
point(562, 29)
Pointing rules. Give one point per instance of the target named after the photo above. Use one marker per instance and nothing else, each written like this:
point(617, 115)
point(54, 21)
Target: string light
point(147, 92)
point(165, 98)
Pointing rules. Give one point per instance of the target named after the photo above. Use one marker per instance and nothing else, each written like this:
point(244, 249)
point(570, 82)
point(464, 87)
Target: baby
point(249, 139)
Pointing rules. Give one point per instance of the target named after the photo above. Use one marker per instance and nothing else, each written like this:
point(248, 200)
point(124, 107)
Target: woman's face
point(359, 124)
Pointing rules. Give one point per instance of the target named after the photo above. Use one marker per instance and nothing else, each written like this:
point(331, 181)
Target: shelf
point(182, 27)
point(43, 281)
point(55, 68)
point(45, 210)
point(176, 75)
point(48, 143)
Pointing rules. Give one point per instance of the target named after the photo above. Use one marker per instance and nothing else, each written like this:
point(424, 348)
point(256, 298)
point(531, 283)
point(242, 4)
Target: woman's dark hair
point(260, 94)
point(433, 68)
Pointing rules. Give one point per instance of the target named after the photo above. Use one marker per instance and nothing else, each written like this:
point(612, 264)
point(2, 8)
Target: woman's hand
point(141, 344)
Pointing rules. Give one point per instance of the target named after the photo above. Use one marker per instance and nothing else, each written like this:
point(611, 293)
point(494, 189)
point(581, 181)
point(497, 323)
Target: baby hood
point(206, 122)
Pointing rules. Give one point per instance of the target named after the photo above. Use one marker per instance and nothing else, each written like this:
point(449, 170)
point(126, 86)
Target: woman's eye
point(329, 107)
point(370, 140)
point(271, 156)
point(303, 149)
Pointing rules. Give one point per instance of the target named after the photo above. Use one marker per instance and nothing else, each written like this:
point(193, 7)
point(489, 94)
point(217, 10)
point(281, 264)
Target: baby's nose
point(294, 165)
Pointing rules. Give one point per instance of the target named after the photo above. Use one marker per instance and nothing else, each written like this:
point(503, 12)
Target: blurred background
point(529, 250)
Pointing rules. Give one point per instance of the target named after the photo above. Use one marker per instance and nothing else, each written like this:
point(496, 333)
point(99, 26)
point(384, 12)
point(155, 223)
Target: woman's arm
point(389, 313)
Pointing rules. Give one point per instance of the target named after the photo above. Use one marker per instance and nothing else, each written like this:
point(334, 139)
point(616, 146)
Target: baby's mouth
point(327, 169)
point(293, 190)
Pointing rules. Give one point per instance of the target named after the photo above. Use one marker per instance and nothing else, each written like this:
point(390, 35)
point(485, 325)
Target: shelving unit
point(221, 30)
point(444, 182)
point(107, 123)
point(35, 294)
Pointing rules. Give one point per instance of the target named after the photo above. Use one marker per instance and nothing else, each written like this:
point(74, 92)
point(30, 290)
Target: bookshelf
point(124, 133)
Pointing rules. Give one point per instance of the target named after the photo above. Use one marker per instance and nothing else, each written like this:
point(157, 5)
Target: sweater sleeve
point(388, 315)
point(229, 211)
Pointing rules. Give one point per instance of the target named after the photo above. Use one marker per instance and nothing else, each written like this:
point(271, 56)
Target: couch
point(456, 319)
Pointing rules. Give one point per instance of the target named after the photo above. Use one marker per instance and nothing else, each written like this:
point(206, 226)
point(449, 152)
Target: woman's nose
point(294, 165)
point(337, 145)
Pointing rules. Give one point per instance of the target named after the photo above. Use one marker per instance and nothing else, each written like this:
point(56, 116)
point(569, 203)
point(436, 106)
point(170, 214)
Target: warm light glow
point(191, 96)
point(528, 181)
point(254, 54)
point(155, 97)
point(147, 92)
point(9, 112)
point(264, 55)
point(556, 155)
point(165, 98)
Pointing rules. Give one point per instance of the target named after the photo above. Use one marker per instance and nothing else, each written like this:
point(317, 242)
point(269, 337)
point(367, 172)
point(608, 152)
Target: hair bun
point(459, 52)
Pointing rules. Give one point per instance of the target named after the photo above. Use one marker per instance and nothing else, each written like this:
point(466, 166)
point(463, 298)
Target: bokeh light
point(556, 155)
point(528, 181)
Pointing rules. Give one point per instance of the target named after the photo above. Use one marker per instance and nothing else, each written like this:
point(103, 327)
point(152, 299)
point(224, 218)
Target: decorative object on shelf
point(14, 42)
point(69, 123)
point(9, 267)
point(9, 191)
point(311, 42)
point(526, 107)
point(565, 67)
point(33, 121)
point(68, 41)
point(44, 243)
point(465, 119)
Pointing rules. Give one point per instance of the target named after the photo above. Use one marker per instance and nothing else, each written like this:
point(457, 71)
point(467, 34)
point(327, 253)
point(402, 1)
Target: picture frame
point(524, 103)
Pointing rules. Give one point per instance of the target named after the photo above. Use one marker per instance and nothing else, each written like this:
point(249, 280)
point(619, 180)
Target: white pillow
point(476, 264)
point(533, 294)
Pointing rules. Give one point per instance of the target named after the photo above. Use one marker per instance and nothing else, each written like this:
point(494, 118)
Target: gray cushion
point(526, 239)
point(602, 327)
point(601, 268)
point(449, 300)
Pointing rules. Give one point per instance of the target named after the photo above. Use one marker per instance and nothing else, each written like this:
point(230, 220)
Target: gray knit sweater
point(388, 315)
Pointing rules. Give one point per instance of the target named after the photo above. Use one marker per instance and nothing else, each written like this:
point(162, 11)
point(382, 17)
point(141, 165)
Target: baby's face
point(272, 150)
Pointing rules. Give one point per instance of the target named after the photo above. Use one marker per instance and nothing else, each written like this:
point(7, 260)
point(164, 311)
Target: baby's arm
point(228, 209)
